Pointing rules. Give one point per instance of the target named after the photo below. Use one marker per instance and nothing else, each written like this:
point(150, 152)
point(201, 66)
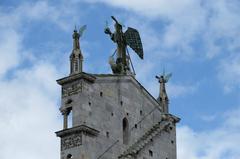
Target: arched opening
point(125, 126)
point(69, 156)
point(67, 113)
point(70, 118)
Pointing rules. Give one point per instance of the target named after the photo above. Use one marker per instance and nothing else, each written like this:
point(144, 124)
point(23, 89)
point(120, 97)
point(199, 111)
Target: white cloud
point(219, 143)
point(43, 10)
point(12, 20)
point(30, 114)
point(209, 118)
point(152, 7)
point(9, 50)
point(179, 90)
point(39, 11)
point(232, 118)
point(229, 73)
point(29, 95)
point(187, 22)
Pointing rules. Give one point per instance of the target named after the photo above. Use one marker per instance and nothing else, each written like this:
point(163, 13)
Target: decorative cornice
point(81, 128)
point(88, 77)
point(170, 117)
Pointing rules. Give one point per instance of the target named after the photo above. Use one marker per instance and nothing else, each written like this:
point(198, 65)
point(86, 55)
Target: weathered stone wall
point(102, 105)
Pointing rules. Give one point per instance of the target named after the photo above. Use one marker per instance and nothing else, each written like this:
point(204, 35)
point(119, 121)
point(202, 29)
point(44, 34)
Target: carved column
point(65, 114)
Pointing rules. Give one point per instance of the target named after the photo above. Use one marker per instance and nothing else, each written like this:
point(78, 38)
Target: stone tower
point(113, 116)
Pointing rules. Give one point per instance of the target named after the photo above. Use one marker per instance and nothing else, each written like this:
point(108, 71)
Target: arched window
point(66, 113)
point(125, 127)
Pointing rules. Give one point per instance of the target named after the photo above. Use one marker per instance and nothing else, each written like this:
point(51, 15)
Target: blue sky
point(198, 41)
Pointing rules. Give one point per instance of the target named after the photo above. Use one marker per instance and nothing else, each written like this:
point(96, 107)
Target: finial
point(76, 58)
point(163, 98)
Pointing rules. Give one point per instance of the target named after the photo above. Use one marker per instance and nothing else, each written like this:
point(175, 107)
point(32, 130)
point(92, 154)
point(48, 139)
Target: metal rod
point(131, 62)
point(114, 53)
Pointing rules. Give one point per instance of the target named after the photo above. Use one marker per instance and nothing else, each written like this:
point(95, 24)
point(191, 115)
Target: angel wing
point(134, 41)
point(82, 29)
point(106, 24)
point(167, 77)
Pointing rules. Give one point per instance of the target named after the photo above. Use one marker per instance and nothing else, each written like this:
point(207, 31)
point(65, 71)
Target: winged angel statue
point(164, 78)
point(130, 38)
point(78, 35)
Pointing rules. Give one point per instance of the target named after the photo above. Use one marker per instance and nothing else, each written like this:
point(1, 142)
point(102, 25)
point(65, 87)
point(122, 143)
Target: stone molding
point(71, 141)
point(88, 77)
point(78, 129)
point(170, 117)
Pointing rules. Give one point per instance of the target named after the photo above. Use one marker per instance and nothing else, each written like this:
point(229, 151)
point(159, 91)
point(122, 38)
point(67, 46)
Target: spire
point(163, 97)
point(76, 57)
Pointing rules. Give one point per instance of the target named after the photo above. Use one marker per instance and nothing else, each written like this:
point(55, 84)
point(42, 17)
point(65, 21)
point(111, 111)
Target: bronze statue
point(77, 36)
point(132, 38)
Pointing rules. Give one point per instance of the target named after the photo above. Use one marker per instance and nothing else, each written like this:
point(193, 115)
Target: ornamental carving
point(73, 89)
point(71, 141)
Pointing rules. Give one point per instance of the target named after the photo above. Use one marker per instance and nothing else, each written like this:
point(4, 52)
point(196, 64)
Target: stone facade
point(113, 116)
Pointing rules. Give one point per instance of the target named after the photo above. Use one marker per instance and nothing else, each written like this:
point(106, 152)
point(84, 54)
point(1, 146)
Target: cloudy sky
point(197, 40)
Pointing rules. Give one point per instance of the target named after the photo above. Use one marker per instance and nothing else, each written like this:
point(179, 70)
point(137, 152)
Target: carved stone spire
point(76, 57)
point(163, 97)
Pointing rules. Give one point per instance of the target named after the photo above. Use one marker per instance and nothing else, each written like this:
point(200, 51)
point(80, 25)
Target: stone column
point(65, 114)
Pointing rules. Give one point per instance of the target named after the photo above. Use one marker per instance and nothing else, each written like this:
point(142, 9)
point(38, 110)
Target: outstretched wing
point(134, 41)
point(106, 24)
point(167, 77)
point(82, 29)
